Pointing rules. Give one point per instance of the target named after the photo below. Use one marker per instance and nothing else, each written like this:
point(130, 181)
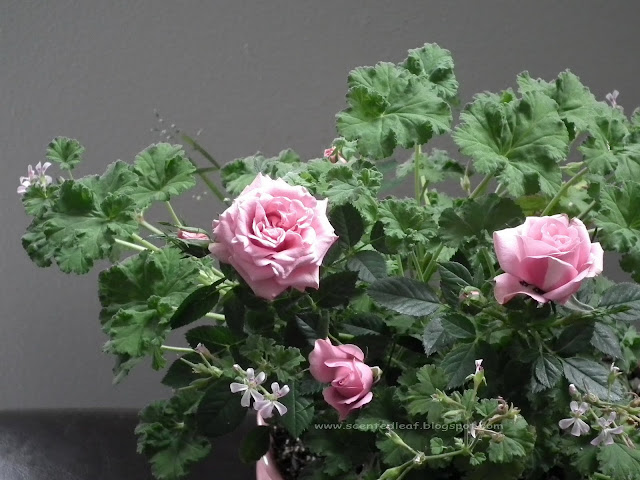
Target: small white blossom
point(473, 430)
point(606, 435)
point(35, 176)
point(249, 385)
point(613, 369)
point(266, 405)
point(578, 426)
point(612, 98)
point(479, 367)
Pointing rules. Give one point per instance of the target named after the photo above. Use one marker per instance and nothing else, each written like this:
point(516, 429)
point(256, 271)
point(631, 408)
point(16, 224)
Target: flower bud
point(471, 295)
point(573, 391)
point(592, 398)
point(193, 236)
point(377, 374)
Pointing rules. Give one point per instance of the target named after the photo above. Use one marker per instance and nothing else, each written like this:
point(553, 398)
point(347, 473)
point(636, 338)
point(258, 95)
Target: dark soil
point(290, 454)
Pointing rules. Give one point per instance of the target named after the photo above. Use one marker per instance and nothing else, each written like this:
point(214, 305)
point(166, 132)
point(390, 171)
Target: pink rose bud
point(546, 258)
point(275, 235)
point(343, 366)
point(184, 235)
point(330, 154)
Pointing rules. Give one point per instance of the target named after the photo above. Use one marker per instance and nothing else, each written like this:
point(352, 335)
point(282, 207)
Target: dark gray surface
point(252, 75)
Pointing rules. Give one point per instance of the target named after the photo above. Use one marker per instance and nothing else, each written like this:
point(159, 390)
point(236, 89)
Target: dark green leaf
point(547, 370)
point(404, 295)
point(436, 338)
point(622, 301)
point(370, 265)
point(436, 65)
point(195, 306)
point(212, 337)
point(299, 411)
point(606, 340)
point(179, 374)
point(459, 363)
point(219, 412)
point(590, 376)
point(336, 289)
point(347, 223)
point(458, 326)
point(255, 444)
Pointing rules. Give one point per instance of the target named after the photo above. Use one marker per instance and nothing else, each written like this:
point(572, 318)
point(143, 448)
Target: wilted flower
point(35, 176)
point(265, 405)
point(606, 435)
point(578, 426)
point(249, 385)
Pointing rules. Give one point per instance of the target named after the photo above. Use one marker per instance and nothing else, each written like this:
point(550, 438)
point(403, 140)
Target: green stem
point(584, 212)
point(200, 149)
point(172, 212)
point(215, 316)
point(488, 261)
point(416, 265)
point(71, 175)
point(150, 227)
point(169, 348)
point(563, 190)
point(133, 246)
point(481, 186)
point(142, 241)
point(400, 267)
point(433, 263)
point(212, 186)
point(417, 156)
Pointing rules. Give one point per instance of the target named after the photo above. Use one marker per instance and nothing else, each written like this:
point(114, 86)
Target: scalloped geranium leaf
point(390, 107)
point(436, 65)
point(164, 171)
point(139, 297)
point(239, 173)
point(619, 217)
point(405, 223)
point(518, 140)
point(619, 462)
point(66, 152)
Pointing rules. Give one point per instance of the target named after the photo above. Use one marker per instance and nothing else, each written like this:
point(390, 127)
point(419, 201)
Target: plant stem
point(400, 267)
point(150, 227)
point(417, 156)
point(169, 348)
point(142, 241)
point(481, 186)
point(563, 190)
point(172, 212)
point(584, 212)
point(133, 246)
point(432, 265)
point(215, 316)
point(200, 149)
point(212, 186)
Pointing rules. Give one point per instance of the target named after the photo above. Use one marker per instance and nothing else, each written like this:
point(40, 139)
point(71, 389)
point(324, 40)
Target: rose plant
point(444, 336)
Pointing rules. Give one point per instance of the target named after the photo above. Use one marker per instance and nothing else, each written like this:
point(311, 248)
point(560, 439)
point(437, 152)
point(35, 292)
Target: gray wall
point(252, 75)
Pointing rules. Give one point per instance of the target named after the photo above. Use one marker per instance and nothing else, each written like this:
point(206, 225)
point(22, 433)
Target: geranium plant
point(471, 336)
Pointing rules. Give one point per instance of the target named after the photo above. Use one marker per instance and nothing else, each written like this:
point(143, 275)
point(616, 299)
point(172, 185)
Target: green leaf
point(453, 278)
point(435, 337)
point(390, 107)
point(622, 302)
point(81, 223)
point(347, 223)
point(423, 384)
point(299, 411)
point(138, 298)
point(197, 304)
point(38, 200)
point(66, 152)
point(458, 326)
point(606, 340)
point(619, 218)
point(239, 173)
point(473, 219)
point(164, 171)
point(547, 370)
point(436, 65)
point(336, 289)
point(518, 140)
point(518, 441)
point(274, 359)
point(213, 337)
point(575, 339)
point(590, 376)
point(168, 436)
point(406, 224)
point(219, 412)
point(459, 363)
point(619, 462)
point(404, 295)
point(179, 374)
point(255, 444)
point(370, 265)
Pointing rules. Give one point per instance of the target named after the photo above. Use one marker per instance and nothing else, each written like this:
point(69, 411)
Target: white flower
point(612, 97)
point(265, 405)
point(606, 435)
point(578, 426)
point(473, 430)
point(249, 385)
point(613, 369)
point(35, 176)
point(479, 367)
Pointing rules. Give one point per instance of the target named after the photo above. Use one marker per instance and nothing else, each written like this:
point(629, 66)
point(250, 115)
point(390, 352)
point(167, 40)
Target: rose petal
point(508, 286)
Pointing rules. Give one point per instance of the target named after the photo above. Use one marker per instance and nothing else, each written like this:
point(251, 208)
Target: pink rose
point(343, 366)
point(184, 235)
point(546, 258)
point(275, 236)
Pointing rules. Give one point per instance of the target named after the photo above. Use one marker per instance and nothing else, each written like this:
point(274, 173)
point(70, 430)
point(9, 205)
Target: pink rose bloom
point(343, 366)
point(546, 258)
point(275, 236)
point(184, 235)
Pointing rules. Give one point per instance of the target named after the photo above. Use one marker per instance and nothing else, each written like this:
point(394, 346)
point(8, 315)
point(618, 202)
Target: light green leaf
point(273, 359)
point(518, 441)
point(390, 107)
point(436, 65)
point(66, 152)
point(519, 141)
point(239, 173)
point(164, 171)
point(619, 462)
point(405, 223)
point(619, 218)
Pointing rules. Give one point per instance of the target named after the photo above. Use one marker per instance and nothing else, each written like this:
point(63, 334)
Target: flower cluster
point(35, 176)
point(251, 388)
